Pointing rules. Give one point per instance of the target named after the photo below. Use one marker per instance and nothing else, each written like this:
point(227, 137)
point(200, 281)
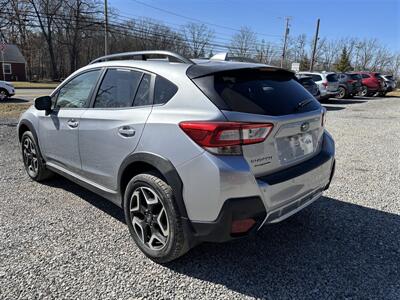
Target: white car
point(6, 90)
point(327, 82)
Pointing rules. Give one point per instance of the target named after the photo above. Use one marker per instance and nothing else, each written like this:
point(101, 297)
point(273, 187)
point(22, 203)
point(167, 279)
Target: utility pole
point(314, 47)
point(105, 28)
point(285, 40)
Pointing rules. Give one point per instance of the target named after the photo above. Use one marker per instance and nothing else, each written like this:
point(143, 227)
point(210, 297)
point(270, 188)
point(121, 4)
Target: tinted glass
point(259, 92)
point(163, 90)
point(75, 94)
point(118, 88)
point(143, 93)
point(332, 77)
point(316, 77)
point(377, 75)
point(306, 81)
point(355, 76)
point(365, 76)
point(389, 77)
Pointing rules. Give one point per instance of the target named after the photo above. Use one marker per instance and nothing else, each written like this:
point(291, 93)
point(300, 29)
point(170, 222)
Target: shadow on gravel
point(332, 249)
point(14, 100)
point(333, 108)
point(92, 198)
point(345, 101)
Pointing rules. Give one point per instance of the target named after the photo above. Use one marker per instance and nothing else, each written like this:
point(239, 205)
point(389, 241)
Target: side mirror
point(43, 103)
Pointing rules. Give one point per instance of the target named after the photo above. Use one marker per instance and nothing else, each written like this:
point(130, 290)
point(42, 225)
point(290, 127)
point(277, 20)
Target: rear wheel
point(364, 91)
point(153, 219)
point(3, 94)
point(33, 161)
point(342, 93)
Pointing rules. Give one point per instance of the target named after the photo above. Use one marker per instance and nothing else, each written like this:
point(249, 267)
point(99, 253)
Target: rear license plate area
point(295, 147)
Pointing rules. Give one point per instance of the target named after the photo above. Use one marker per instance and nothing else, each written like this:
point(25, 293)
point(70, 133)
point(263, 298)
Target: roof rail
point(144, 55)
point(225, 57)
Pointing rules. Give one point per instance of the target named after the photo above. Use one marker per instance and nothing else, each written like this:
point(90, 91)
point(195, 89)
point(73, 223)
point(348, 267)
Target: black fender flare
point(167, 170)
point(32, 129)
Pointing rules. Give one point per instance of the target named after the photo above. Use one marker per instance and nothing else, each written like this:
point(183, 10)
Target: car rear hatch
point(265, 95)
point(332, 83)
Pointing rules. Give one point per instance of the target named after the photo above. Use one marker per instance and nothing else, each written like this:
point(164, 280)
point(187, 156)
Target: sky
point(339, 18)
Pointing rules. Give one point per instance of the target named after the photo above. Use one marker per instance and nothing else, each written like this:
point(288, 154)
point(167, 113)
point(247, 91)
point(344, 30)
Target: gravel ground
point(59, 241)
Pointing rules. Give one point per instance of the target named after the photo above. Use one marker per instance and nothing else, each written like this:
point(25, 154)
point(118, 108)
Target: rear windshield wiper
point(302, 104)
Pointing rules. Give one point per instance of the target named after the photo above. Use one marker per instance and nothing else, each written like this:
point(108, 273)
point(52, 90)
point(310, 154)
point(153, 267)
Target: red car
point(372, 83)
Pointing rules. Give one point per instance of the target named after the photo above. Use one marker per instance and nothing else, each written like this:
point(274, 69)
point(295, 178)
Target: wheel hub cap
point(149, 218)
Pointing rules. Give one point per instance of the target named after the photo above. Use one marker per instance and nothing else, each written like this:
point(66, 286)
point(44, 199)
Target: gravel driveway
point(59, 241)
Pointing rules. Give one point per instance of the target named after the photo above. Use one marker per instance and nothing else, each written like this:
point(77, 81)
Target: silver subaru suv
point(192, 150)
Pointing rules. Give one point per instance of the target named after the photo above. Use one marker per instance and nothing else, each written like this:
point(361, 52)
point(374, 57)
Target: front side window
point(75, 94)
point(7, 68)
point(118, 88)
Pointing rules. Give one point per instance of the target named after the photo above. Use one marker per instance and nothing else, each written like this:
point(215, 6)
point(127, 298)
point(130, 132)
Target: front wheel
point(33, 162)
point(153, 218)
point(364, 91)
point(342, 93)
point(3, 94)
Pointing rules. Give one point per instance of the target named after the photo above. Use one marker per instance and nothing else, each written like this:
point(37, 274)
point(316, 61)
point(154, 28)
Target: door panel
point(59, 140)
point(106, 138)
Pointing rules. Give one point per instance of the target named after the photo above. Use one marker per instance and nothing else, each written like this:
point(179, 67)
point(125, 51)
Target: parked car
point(309, 85)
point(349, 85)
point(6, 90)
point(327, 82)
point(193, 151)
point(372, 83)
point(389, 83)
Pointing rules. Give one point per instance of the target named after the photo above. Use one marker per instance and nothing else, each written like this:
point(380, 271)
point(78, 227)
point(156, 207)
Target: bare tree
point(46, 13)
point(243, 43)
point(266, 52)
point(198, 37)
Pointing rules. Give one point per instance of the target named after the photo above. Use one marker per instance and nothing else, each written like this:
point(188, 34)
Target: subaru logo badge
point(305, 126)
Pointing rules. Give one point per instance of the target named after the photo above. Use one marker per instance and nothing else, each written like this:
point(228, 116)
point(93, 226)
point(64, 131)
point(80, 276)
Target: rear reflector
point(242, 226)
point(226, 136)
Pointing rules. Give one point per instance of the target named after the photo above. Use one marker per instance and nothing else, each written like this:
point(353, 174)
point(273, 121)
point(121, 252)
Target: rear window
point(259, 92)
point(306, 81)
point(389, 77)
point(331, 77)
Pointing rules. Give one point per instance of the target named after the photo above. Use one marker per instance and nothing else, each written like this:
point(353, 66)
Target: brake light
point(325, 83)
point(226, 137)
point(351, 81)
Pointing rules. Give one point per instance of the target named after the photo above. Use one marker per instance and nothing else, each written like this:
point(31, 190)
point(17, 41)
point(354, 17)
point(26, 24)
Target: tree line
point(59, 36)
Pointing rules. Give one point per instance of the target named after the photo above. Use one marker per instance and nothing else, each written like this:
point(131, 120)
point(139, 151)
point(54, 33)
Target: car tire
point(153, 218)
point(364, 91)
point(342, 93)
point(4, 94)
point(33, 161)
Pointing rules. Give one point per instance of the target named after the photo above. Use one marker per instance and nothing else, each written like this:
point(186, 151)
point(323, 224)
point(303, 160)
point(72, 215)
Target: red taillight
point(223, 137)
point(325, 83)
point(351, 81)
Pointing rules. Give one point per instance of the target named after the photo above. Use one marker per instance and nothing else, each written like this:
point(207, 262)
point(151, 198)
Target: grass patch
point(34, 85)
point(395, 93)
point(12, 110)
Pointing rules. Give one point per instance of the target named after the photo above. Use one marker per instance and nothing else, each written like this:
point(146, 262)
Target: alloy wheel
point(30, 156)
point(149, 218)
point(3, 95)
point(342, 93)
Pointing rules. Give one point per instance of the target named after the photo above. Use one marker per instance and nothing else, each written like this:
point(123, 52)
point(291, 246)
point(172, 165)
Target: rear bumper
point(281, 195)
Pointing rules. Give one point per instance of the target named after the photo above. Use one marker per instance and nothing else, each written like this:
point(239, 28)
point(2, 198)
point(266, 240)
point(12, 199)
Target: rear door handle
point(72, 123)
point(126, 131)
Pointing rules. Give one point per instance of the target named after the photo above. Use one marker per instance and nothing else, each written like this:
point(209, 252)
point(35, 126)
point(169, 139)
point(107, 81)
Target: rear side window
point(331, 77)
point(355, 76)
point(164, 90)
point(260, 92)
point(306, 81)
point(118, 88)
point(365, 76)
point(143, 93)
point(316, 77)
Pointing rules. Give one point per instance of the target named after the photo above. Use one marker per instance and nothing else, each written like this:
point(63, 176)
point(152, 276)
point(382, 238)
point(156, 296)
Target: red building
point(14, 64)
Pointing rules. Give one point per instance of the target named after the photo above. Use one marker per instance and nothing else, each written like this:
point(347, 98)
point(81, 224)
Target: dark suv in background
point(349, 85)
